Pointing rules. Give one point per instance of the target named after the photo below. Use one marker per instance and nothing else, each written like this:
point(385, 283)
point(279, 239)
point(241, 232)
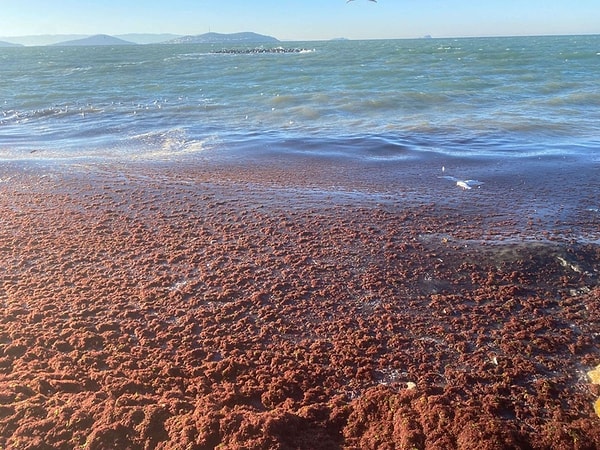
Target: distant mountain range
point(50, 39)
point(139, 38)
point(99, 39)
point(218, 38)
point(133, 39)
point(9, 44)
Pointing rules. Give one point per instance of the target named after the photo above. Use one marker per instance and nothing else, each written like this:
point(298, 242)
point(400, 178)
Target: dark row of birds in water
point(249, 51)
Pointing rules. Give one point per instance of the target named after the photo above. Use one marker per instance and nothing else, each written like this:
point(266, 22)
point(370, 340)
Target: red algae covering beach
point(234, 307)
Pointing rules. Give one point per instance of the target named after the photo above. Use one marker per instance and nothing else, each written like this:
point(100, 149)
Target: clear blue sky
point(302, 19)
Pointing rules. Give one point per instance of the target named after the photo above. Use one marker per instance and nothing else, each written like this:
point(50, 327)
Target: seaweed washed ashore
point(203, 307)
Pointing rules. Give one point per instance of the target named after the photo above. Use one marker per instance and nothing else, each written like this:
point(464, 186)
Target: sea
point(504, 108)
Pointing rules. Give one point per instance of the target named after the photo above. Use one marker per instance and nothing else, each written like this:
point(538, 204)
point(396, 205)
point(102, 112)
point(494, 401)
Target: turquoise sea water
point(390, 99)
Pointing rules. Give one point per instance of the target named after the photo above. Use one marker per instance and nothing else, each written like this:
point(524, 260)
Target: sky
point(302, 19)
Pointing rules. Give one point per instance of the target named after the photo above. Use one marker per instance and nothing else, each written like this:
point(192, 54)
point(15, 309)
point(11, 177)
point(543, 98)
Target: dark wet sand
point(291, 306)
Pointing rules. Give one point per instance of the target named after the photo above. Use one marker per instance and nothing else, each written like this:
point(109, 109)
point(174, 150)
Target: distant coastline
point(9, 44)
point(100, 39)
point(210, 38)
point(218, 38)
point(135, 39)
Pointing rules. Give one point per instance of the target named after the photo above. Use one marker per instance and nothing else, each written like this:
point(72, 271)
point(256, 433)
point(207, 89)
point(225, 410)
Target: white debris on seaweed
point(465, 184)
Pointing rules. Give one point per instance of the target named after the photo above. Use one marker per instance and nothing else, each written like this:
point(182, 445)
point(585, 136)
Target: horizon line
point(425, 36)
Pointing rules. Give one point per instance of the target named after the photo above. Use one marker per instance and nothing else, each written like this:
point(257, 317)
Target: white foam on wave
point(75, 70)
point(152, 145)
point(186, 57)
point(164, 144)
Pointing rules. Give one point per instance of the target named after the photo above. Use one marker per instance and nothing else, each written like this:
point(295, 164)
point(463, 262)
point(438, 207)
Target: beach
point(296, 303)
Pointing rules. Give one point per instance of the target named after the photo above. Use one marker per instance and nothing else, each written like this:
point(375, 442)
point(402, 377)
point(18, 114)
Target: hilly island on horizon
point(135, 39)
